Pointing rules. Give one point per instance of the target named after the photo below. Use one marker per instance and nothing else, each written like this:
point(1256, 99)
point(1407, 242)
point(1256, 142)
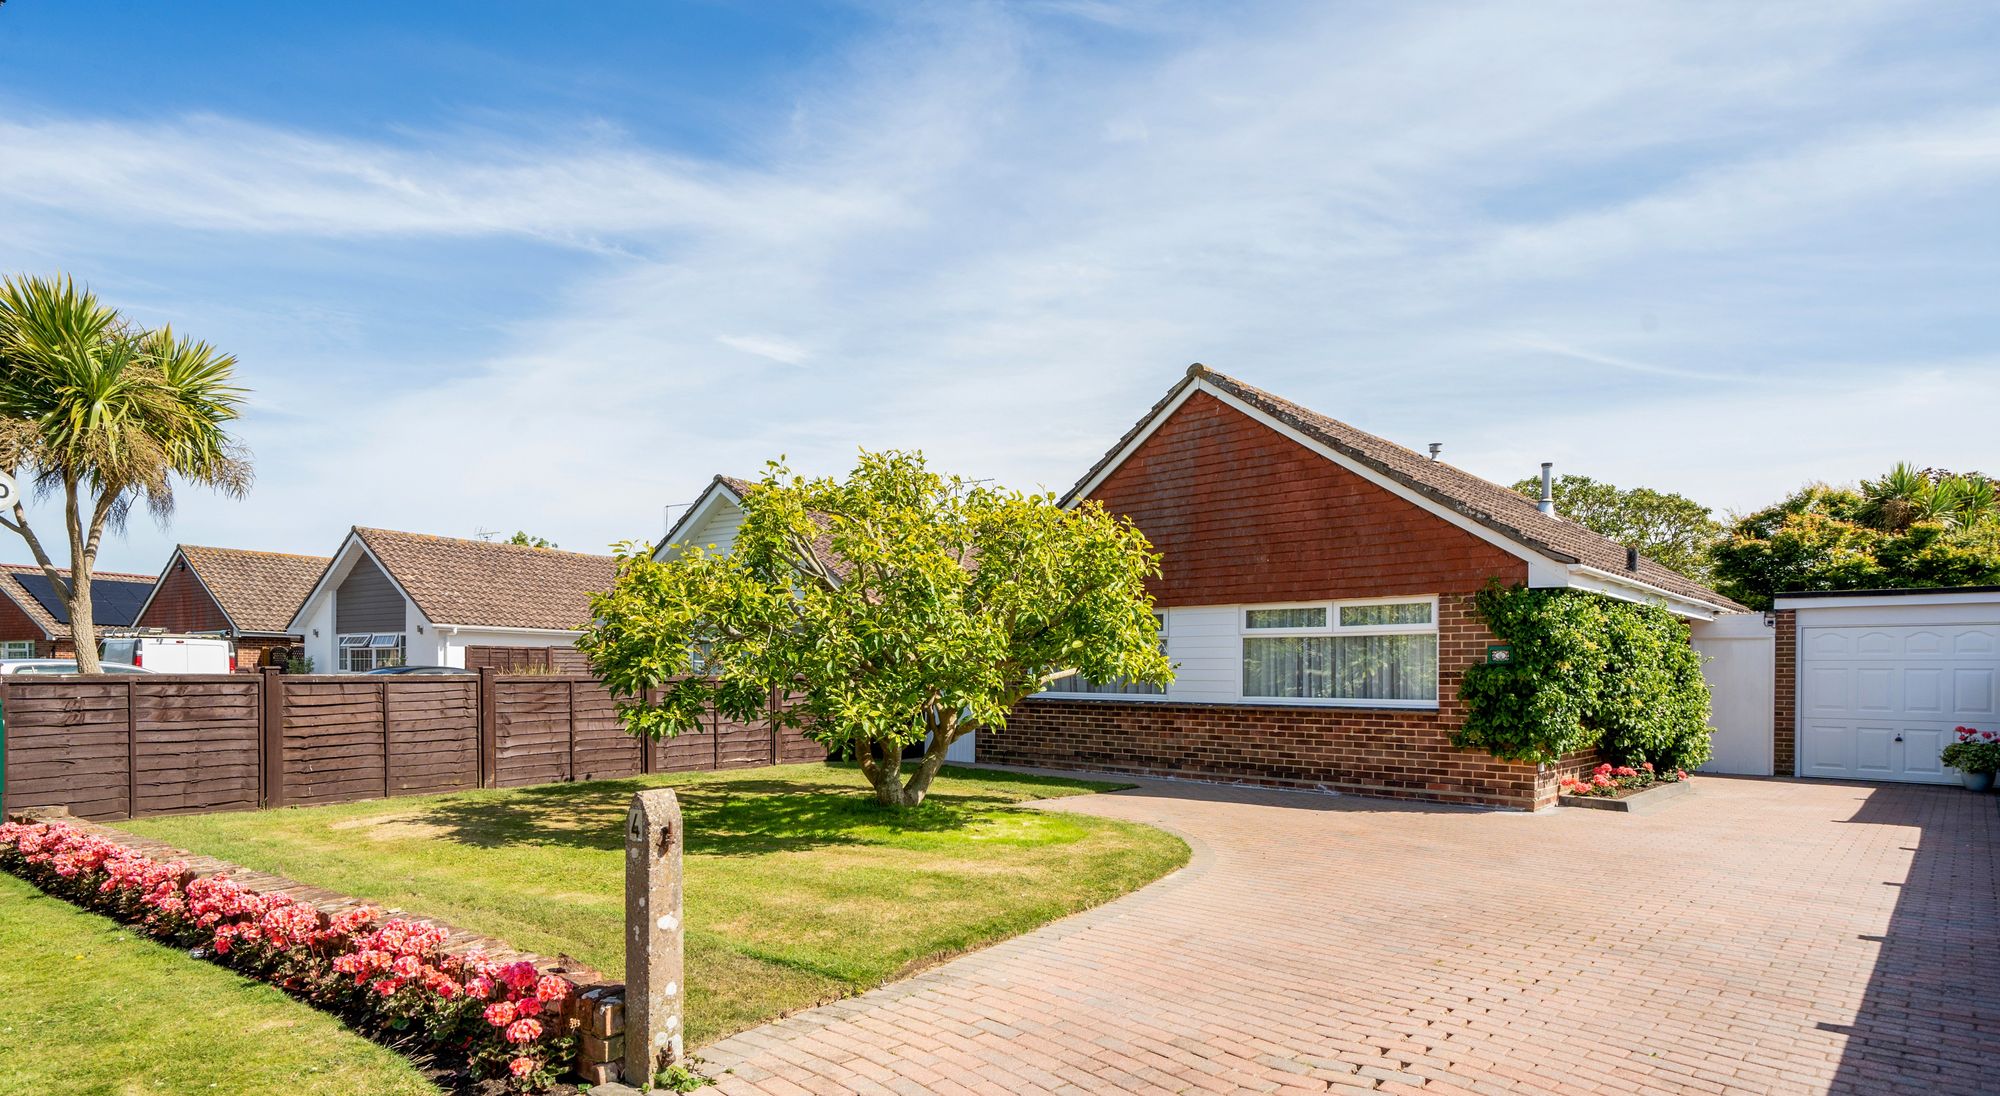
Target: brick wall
point(17, 625)
point(181, 604)
point(1243, 514)
point(1392, 752)
point(1785, 695)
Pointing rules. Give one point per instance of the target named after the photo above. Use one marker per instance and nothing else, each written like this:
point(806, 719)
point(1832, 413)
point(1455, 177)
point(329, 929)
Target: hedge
point(1586, 671)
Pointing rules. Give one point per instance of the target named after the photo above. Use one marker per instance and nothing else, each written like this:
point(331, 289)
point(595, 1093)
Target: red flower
point(500, 1013)
point(524, 1031)
point(521, 1067)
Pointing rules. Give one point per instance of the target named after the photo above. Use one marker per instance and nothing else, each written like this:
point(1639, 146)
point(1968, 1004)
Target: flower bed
point(391, 978)
point(1609, 781)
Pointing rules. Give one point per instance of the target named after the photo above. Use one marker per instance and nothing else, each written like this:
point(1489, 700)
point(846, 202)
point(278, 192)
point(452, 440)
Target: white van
point(167, 654)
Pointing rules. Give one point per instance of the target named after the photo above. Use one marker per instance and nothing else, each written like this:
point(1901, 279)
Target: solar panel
point(114, 603)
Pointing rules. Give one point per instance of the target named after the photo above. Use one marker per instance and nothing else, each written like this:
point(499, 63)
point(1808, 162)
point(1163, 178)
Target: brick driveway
point(1766, 936)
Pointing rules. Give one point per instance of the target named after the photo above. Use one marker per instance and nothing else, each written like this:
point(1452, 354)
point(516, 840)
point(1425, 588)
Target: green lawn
point(798, 888)
point(93, 1008)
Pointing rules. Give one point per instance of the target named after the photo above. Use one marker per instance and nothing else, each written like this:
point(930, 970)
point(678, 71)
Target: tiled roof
point(478, 583)
point(57, 626)
point(1501, 509)
point(260, 591)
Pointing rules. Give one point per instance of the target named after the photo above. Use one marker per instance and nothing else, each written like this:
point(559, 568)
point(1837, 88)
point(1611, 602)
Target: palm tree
point(1897, 500)
point(108, 414)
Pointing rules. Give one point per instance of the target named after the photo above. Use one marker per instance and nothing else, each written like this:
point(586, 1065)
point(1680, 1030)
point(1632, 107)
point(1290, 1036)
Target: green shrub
point(1586, 671)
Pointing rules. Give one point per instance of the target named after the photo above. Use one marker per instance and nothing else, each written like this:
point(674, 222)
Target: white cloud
point(980, 236)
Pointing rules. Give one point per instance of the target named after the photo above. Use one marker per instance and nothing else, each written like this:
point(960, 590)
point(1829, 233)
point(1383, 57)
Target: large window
point(17, 648)
point(1079, 685)
point(1369, 653)
point(359, 653)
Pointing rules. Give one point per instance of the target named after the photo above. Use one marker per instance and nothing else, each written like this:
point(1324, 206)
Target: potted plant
point(1975, 754)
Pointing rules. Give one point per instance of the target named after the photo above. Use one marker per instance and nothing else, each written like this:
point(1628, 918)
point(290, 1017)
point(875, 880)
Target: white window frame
point(371, 642)
point(1161, 697)
point(1333, 627)
point(17, 648)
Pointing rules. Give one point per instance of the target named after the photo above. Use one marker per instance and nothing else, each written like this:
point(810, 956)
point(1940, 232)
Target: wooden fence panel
point(742, 745)
point(197, 744)
point(603, 749)
point(687, 752)
point(334, 740)
point(433, 734)
point(532, 744)
point(69, 745)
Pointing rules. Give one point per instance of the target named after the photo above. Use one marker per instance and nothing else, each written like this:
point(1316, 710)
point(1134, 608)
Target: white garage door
point(1879, 703)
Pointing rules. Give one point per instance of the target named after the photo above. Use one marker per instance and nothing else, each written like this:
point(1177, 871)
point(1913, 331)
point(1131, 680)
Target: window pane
point(1292, 667)
point(1385, 667)
point(1410, 612)
point(1077, 684)
point(354, 641)
point(1285, 618)
point(385, 640)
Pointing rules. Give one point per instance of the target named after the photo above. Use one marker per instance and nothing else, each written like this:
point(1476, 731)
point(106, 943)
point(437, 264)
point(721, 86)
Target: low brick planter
point(1642, 801)
point(597, 1004)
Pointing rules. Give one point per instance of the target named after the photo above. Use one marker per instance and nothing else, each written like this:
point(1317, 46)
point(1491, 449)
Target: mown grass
point(92, 1007)
point(799, 889)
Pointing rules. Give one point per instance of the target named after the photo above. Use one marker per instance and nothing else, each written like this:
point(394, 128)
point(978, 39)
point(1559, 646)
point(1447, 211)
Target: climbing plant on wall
point(1586, 671)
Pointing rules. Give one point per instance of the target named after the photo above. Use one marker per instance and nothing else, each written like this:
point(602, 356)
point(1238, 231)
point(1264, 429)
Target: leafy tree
point(899, 606)
point(107, 414)
point(521, 538)
point(1673, 529)
point(1907, 529)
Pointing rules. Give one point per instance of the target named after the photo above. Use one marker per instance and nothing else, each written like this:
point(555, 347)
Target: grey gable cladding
point(368, 602)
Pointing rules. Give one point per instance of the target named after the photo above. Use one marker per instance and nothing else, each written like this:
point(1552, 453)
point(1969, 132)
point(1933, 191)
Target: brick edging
point(597, 1004)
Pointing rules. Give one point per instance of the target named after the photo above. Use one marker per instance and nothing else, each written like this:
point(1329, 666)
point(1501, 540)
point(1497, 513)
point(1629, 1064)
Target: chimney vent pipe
point(1547, 505)
point(1631, 559)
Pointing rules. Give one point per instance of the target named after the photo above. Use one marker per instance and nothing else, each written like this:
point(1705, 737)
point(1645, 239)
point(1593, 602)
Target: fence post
point(569, 719)
point(489, 728)
point(388, 783)
point(3, 746)
point(131, 748)
point(272, 761)
point(653, 935)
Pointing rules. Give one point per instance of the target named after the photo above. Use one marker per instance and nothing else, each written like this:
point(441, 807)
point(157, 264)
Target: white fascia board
point(1624, 588)
point(1862, 601)
point(455, 629)
point(718, 494)
point(1552, 574)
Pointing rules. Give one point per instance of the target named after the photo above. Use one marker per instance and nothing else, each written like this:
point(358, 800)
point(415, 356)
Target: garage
point(1884, 678)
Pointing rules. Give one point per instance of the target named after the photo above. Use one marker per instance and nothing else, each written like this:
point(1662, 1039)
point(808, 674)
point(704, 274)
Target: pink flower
point(500, 1014)
point(1648, 766)
point(551, 988)
point(519, 975)
point(524, 1031)
point(527, 1006)
point(521, 1067)
point(387, 987)
point(480, 986)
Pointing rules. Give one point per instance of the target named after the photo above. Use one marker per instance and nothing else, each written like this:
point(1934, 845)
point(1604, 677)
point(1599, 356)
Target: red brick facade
point(1390, 752)
point(1785, 695)
point(16, 625)
point(181, 604)
point(1243, 514)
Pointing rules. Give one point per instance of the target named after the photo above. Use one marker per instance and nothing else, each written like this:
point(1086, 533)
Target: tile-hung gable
point(256, 593)
point(1316, 600)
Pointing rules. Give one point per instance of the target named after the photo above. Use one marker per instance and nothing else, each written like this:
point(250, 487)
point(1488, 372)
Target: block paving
point(1760, 936)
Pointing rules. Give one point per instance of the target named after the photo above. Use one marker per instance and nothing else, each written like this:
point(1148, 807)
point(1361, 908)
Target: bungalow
point(1316, 595)
point(389, 598)
point(34, 618)
point(250, 597)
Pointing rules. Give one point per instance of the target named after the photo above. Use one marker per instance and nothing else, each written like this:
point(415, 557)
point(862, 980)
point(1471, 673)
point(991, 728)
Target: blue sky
point(551, 267)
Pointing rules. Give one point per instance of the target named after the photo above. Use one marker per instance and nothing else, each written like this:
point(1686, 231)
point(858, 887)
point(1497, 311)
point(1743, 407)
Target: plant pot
point(1976, 782)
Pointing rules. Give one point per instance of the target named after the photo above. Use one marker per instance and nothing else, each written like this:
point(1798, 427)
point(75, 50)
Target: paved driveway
point(1765, 936)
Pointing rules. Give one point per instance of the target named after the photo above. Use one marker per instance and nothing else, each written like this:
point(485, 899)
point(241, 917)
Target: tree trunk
point(890, 790)
point(82, 561)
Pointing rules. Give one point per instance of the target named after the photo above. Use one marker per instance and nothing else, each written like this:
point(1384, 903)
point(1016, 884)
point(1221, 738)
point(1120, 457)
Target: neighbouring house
point(390, 598)
point(34, 619)
point(249, 597)
point(1316, 601)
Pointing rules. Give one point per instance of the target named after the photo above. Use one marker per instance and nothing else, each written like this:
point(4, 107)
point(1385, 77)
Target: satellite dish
point(10, 492)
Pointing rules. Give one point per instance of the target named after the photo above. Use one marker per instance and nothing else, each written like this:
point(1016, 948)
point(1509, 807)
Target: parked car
point(420, 670)
point(172, 654)
point(64, 666)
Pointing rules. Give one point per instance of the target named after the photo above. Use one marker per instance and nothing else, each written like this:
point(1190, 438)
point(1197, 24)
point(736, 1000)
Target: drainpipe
point(1547, 505)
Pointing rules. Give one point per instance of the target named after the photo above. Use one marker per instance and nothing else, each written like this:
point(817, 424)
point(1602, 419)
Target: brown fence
point(112, 748)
